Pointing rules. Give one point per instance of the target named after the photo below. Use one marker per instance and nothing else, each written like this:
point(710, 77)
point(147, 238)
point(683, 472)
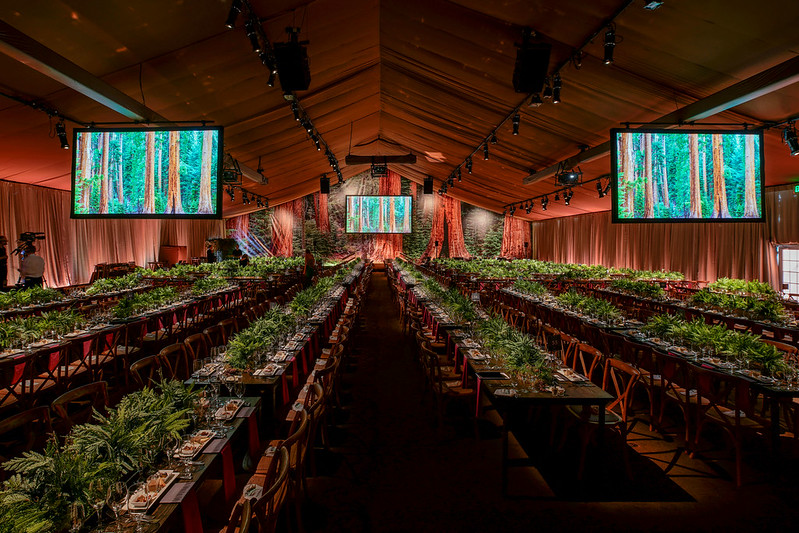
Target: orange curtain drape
point(283, 230)
point(388, 246)
point(238, 227)
point(701, 251)
point(437, 229)
point(515, 238)
point(72, 247)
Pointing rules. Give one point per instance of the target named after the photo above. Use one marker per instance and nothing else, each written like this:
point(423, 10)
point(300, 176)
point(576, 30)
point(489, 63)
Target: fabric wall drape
point(515, 238)
point(322, 212)
point(457, 244)
point(283, 230)
point(702, 251)
point(437, 229)
point(387, 246)
point(238, 227)
point(72, 247)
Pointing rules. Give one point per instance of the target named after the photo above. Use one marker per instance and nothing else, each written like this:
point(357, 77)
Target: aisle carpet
point(389, 469)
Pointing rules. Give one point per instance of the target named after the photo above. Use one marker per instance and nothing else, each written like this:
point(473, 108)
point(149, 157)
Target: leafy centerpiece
point(32, 296)
point(22, 331)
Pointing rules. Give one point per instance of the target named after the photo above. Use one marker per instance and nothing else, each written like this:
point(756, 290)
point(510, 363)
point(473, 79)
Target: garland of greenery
point(700, 335)
point(644, 289)
point(208, 284)
point(533, 288)
point(137, 304)
point(743, 287)
point(525, 268)
point(766, 309)
point(109, 285)
point(132, 437)
point(32, 296)
point(26, 330)
point(593, 307)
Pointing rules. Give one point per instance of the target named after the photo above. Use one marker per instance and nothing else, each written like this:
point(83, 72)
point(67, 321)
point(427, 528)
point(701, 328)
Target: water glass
point(77, 517)
point(117, 499)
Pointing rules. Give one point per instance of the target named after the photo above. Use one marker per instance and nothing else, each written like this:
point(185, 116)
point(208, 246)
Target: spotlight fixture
point(451, 181)
point(245, 198)
point(512, 210)
point(544, 202)
point(260, 171)
point(232, 193)
point(61, 132)
point(567, 196)
point(610, 44)
point(469, 164)
point(259, 201)
point(569, 177)
point(600, 189)
point(252, 35)
point(557, 195)
point(535, 101)
point(485, 152)
point(790, 138)
point(556, 85)
point(315, 139)
point(270, 82)
point(233, 14)
point(516, 120)
point(528, 208)
point(504, 211)
point(652, 5)
point(458, 174)
point(494, 139)
point(339, 176)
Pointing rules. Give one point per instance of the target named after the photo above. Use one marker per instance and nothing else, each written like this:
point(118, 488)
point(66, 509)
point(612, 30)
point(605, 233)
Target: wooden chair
point(13, 370)
point(446, 391)
point(229, 327)
point(196, 347)
point(175, 361)
point(77, 405)
point(586, 360)
point(297, 445)
point(678, 388)
point(619, 379)
point(215, 336)
point(267, 508)
point(147, 371)
point(240, 517)
point(23, 432)
point(728, 402)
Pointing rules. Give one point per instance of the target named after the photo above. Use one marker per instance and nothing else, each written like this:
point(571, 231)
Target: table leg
point(774, 404)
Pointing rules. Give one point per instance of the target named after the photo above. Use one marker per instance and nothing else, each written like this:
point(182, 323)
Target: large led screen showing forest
point(674, 176)
point(378, 214)
point(147, 173)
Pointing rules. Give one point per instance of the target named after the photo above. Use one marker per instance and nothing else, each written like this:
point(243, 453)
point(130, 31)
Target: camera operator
point(31, 267)
point(3, 262)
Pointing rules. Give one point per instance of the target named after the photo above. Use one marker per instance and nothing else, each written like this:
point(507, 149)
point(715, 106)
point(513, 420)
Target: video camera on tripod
point(27, 239)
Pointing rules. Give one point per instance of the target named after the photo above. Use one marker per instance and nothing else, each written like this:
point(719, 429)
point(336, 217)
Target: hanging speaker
point(324, 185)
point(532, 64)
point(428, 185)
point(293, 69)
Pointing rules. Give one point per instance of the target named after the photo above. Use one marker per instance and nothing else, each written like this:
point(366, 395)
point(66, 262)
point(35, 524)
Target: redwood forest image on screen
point(378, 214)
point(674, 175)
point(146, 173)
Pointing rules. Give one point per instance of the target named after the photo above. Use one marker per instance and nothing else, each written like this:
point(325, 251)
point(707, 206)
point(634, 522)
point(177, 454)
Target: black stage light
point(324, 185)
point(252, 35)
point(790, 138)
point(485, 152)
point(61, 132)
point(233, 14)
point(610, 44)
point(516, 121)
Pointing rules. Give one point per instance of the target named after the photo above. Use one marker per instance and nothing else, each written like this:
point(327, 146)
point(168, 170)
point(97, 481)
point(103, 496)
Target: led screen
point(147, 173)
point(690, 176)
point(378, 214)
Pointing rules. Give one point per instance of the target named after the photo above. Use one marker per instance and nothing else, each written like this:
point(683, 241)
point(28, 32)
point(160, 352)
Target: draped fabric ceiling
point(431, 77)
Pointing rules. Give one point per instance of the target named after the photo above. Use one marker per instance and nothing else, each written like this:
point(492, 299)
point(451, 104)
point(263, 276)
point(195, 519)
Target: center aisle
point(389, 469)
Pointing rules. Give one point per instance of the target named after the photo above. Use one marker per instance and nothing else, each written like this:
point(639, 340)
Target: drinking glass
point(117, 498)
point(97, 496)
point(238, 388)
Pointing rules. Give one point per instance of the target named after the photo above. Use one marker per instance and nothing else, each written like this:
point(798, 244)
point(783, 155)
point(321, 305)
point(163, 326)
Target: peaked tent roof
point(431, 77)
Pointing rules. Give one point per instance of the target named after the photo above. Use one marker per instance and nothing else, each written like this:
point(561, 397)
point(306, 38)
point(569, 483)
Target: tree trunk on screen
point(437, 229)
point(120, 188)
point(380, 218)
point(696, 196)
point(626, 149)
point(174, 204)
point(392, 215)
point(750, 191)
point(149, 173)
point(457, 244)
point(205, 206)
point(704, 172)
point(649, 189)
point(158, 184)
point(85, 170)
point(322, 212)
point(388, 246)
point(104, 177)
point(720, 209)
point(666, 201)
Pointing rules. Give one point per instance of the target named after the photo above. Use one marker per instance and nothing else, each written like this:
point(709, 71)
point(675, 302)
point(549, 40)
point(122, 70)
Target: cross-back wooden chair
point(147, 371)
point(266, 509)
point(77, 406)
point(23, 432)
point(175, 361)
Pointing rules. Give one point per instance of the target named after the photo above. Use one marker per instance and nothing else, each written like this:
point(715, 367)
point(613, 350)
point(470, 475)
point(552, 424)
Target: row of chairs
point(282, 471)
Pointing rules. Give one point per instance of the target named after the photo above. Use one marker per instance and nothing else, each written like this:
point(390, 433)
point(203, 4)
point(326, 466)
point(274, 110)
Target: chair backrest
point(619, 379)
point(586, 360)
point(12, 371)
point(229, 327)
point(267, 508)
point(677, 378)
point(146, 371)
point(196, 346)
point(240, 517)
point(297, 442)
point(723, 393)
point(175, 361)
point(326, 376)
point(215, 336)
point(23, 432)
point(77, 406)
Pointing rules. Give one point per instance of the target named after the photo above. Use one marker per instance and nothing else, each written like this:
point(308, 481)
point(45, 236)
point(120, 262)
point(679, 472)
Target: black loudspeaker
point(324, 185)
point(292, 66)
point(428, 185)
point(532, 64)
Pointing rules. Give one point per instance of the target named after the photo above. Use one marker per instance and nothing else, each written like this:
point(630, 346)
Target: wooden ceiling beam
point(35, 55)
point(768, 81)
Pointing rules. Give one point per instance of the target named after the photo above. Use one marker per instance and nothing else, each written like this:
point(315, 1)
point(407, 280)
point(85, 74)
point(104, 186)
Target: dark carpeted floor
point(389, 469)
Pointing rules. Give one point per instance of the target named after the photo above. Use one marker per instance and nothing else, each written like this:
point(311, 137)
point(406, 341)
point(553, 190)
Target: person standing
point(3, 262)
point(309, 270)
point(31, 268)
point(210, 256)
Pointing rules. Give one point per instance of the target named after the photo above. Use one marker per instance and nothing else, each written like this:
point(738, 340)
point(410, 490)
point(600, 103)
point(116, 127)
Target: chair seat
point(727, 417)
point(684, 396)
point(126, 350)
point(611, 417)
point(453, 388)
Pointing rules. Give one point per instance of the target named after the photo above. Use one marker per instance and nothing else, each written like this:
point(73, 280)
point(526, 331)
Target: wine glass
point(117, 499)
point(77, 517)
point(238, 388)
point(97, 495)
